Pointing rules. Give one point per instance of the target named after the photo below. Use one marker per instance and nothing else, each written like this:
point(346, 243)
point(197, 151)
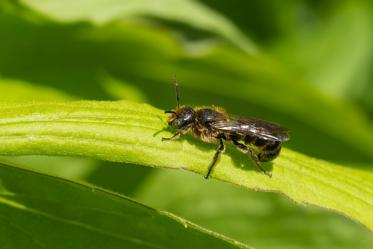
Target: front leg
point(177, 134)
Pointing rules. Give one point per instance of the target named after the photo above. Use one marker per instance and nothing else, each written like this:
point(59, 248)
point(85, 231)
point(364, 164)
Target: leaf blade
point(100, 12)
point(261, 219)
point(59, 213)
point(125, 132)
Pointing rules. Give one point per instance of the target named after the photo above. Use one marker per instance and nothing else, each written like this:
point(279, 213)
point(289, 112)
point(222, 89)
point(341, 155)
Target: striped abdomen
point(268, 149)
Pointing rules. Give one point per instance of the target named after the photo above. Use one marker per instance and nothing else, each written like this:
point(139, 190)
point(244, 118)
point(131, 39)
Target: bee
point(261, 140)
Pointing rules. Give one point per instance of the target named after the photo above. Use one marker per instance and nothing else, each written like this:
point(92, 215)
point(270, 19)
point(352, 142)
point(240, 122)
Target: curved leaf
point(176, 10)
point(264, 220)
point(66, 167)
point(127, 132)
point(72, 215)
point(18, 90)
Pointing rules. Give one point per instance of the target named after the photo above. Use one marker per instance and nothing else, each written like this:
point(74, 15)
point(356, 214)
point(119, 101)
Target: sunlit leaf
point(72, 168)
point(127, 132)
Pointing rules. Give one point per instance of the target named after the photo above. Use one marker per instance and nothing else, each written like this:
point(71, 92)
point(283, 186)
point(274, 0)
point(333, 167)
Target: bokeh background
point(307, 65)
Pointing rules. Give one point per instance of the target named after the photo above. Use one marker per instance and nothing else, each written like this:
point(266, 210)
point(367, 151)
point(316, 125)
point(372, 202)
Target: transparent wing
point(251, 126)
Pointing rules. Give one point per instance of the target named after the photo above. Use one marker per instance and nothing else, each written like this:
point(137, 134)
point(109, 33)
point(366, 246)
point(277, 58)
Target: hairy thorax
point(202, 129)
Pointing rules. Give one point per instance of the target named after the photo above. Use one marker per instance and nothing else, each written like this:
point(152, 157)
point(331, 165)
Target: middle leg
point(220, 149)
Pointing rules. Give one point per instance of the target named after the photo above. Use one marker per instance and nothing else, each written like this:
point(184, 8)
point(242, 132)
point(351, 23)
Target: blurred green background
point(307, 65)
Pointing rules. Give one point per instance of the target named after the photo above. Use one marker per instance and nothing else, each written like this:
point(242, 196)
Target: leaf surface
point(129, 132)
point(264, 220)
point(39, 211)
point(100, 11)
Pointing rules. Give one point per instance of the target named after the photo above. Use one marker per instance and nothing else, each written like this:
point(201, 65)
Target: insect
point(261, 140)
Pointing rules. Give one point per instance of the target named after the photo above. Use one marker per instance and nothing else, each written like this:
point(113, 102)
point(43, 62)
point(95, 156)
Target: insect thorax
point(201, 127)
point(206, 115)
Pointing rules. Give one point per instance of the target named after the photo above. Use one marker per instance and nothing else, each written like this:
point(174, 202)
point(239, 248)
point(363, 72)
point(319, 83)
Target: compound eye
point(178, 123)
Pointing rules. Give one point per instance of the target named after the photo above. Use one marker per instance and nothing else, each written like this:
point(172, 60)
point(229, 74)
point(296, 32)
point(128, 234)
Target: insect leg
point(220, 149)
point(177, 134)
point(253, 155)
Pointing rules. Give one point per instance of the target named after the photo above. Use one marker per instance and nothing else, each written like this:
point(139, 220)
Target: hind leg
point(245, 149)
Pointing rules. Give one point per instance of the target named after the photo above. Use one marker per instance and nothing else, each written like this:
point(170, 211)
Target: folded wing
point(255, 127)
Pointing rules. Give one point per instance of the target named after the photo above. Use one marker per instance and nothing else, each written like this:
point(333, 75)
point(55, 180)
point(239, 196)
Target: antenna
point(177, 91)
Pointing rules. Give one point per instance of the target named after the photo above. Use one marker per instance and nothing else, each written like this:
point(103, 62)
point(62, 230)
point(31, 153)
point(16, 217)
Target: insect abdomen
point(269, 150)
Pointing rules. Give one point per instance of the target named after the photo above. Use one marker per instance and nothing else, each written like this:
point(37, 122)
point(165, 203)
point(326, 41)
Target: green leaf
point(39, 211)
point(176, 10)
point(127, 132)
point(264, 220)
point(66, 167)
point(71, 168)
point(18, 90)
point(118, 89)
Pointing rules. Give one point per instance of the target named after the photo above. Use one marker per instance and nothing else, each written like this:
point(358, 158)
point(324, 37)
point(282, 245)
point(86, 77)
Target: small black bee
point(260, 139)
